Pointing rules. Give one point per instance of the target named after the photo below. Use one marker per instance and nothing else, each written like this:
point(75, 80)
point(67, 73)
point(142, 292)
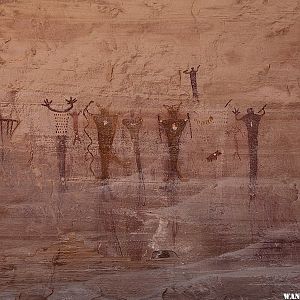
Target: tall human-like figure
point(173, 128)
point(134, 124)
point(252, 121)
point(193, 78)
point(61, 123)
point(75, 117)
point(106, 124)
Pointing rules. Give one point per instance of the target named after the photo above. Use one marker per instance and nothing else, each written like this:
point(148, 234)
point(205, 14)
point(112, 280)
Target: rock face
point(131, 164)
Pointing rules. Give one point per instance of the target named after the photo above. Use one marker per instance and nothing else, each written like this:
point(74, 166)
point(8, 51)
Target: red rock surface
point(94, 241)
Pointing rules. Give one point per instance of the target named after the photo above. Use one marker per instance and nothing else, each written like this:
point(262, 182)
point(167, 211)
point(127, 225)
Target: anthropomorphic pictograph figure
point(134, 124)
point(193, 77)
point(106, 127)
point(234, 131)
point(61, 123)
point(173, 128)
point(7, 129)
point(106, 124)
point(75, 117)
point(252, 121)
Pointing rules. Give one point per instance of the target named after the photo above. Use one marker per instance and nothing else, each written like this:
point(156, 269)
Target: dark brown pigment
point(106, 128)
point(252, 121)
point(173, 128)
point(193, 78)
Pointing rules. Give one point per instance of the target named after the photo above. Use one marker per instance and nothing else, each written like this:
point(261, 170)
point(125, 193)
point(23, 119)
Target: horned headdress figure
point(252, 121)
point(173, 128)
point(61, 123)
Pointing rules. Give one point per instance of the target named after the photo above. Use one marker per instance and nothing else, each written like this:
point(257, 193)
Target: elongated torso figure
point(134, 124)
point(75, 118)
point(173, 128)
point(106, 124)
point(252, 121)
point(106, 127)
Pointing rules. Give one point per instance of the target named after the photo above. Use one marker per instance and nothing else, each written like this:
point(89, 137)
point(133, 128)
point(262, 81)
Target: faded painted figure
point(134, 124)
point(252, 121)
point(75, 117)
point(193, 78)
point(7, 129)
point(173, 128)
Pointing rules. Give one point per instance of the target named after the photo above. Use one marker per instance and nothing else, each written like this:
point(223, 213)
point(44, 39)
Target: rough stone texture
point(94, 241)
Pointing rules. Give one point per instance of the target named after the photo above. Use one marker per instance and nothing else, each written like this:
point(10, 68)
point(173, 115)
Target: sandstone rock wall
point(131, 55)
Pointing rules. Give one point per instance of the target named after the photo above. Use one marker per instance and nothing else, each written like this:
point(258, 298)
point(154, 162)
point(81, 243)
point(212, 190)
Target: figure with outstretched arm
point(193, 78)
point(251, 121)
